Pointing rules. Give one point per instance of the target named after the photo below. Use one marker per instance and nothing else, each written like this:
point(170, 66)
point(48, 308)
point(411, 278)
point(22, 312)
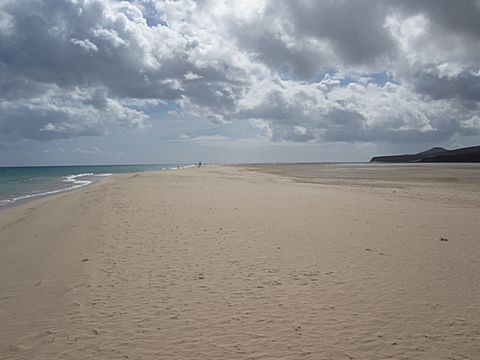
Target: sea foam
point(76, 183)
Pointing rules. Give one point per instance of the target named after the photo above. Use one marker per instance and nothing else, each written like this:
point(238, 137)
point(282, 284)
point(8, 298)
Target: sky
point(150, 81)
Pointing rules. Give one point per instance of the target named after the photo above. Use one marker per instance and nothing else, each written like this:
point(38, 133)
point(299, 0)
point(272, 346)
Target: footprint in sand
point(297, 328)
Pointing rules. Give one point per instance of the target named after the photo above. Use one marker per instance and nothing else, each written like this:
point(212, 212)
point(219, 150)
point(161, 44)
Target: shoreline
point(79, 181)
point(221, 262)
point(24, 199)
point(272, 168)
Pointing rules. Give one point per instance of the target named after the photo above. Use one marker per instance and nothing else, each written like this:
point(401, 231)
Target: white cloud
point(59, 114)
point(191, 76)
point(7, 23)
point(85, 44)
point(93, 151)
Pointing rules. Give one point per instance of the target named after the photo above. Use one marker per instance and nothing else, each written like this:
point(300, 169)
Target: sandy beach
point(247, 262)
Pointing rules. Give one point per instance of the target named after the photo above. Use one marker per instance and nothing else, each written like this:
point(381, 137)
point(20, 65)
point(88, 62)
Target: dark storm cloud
point(299, 38)
point(354, 28)
point(464, 86)
point(16, 86)
point(457, 16)
point(297, 60)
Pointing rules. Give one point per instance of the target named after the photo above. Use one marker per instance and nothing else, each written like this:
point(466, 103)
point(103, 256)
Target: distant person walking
point(199, 164)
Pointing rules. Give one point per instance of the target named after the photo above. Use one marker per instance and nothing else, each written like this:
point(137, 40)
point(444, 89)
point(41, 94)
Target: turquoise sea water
point(22, 183)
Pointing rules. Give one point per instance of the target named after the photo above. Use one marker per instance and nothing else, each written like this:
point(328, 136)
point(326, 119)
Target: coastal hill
point(436, 154)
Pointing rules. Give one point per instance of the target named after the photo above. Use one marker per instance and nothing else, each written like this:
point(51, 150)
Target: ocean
point(19, 184)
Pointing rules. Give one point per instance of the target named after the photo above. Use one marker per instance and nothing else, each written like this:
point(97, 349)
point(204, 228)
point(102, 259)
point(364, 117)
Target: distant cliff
point(436, 154)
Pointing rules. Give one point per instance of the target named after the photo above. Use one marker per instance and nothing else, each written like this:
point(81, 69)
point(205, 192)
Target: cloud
point(93, 151)
point(448, 84)
point(58, 114)
point(85, 44)
point(362, 112)
point(354, 38)
point(109, 44)
point(304, 71)
point(450, 16)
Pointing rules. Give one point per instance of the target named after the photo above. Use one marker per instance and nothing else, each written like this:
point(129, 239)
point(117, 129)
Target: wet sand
point(252, 262)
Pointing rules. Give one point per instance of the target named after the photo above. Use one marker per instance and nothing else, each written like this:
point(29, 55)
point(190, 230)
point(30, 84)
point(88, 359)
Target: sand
point(321, 262)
